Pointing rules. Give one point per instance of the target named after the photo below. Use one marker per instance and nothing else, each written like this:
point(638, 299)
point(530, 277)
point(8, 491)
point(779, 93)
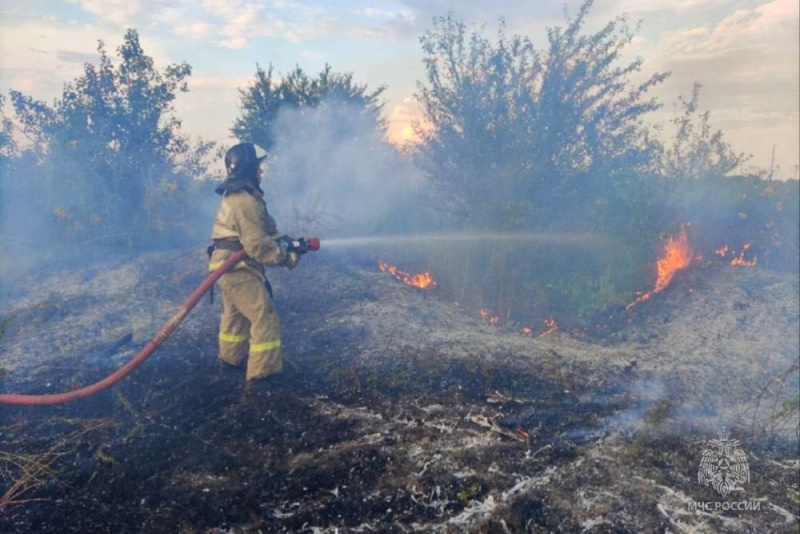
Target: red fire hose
point(152, 345)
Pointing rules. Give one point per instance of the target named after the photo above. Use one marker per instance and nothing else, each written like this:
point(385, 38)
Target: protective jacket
point(242, 216)
point(249, 322)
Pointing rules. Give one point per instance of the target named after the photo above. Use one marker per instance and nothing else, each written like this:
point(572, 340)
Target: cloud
point(61, 49)
point(763, 29)
point(747, 52)
point(668, 6)
point(232, 23)
point(481, 11)
point(118, 12)
point(69, 56)
point(238, 22)
point(211, 106)
point(58, 57)
point(747, 61)
point(194, 30)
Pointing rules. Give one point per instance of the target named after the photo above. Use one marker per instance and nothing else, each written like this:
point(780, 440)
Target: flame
point(420, 280)
point(738, 260)
point(677, 255)
point(492, 319)
point(527, 330)
point(550, 327)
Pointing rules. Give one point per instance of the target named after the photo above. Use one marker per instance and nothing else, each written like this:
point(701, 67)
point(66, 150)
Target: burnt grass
point(191, 450)
point(362, 432)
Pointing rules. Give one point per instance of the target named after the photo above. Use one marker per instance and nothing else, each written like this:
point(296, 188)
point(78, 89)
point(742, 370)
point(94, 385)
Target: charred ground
point(397, 411)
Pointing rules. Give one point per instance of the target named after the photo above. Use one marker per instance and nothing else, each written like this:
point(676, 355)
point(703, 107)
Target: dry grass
point(22, 474)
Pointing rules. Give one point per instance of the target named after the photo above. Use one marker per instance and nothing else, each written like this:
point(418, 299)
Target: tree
point(517, 138)
point(108, 149)
point(262, 101)
point(7, 144)
point(516, 130)
point(330, 164)
point(480, 105)
point(697, 152)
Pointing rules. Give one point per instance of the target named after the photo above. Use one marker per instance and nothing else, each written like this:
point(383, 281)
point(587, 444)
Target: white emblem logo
point(724, 464)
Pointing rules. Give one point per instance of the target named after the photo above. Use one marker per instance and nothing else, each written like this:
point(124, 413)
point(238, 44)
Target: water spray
point(544, 237)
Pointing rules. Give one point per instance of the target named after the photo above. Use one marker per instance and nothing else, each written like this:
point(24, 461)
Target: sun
point(401, 134)
point(402, 119)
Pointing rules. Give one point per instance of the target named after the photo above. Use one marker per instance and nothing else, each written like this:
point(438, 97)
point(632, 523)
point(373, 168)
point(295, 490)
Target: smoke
point(25, 235)
point(663, 405)
point(734, 211)
point(332, 172)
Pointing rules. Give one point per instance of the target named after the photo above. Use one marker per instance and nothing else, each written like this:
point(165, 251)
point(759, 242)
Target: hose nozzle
point(313, 243)
point(300, 245)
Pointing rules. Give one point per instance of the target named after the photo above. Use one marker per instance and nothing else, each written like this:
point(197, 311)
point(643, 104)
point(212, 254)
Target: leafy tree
point(8, 146)
point(518, 138)
point(697, 151)
point(332, 163)
point(482, 111)
point(109, 147)
point(515, 129)
point(725, 209)
point(262, 101)
point(7, 151)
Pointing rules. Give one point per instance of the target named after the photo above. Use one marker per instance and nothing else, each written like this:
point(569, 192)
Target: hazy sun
point(400, 131)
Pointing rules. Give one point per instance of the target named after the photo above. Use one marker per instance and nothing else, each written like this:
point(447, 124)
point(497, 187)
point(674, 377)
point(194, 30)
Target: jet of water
point(543, 237)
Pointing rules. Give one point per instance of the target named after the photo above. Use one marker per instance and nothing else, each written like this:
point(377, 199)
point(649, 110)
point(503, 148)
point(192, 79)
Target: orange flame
point(492, 319)
point(420, 280)
point(527, 330)
point(550, 327)
point(677, 255)
point(739, 260)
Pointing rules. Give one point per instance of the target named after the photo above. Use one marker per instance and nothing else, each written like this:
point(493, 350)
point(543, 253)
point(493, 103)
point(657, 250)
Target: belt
point(227, 244)
point(234, 245)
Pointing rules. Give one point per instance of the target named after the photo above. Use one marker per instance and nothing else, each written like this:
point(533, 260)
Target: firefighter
point(249, 326)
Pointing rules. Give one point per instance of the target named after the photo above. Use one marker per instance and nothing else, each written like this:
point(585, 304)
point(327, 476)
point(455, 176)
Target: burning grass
point(422, 280)
point(401, 412)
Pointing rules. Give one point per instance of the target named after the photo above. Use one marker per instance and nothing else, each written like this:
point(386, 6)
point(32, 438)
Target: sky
point(743, 52)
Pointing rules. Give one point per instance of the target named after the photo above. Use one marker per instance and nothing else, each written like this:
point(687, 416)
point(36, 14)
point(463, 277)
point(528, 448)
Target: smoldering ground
point(398, 411)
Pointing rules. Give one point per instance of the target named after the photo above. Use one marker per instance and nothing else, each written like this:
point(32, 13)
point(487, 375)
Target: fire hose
point(300, 246)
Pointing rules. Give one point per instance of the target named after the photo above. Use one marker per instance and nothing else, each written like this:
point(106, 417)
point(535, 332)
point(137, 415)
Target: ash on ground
point(397, 411)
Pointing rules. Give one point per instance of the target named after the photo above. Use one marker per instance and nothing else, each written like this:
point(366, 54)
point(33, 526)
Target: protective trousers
point(249, 323)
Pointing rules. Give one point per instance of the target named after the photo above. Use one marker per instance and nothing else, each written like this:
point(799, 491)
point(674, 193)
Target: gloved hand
point(290, 253)
point(292, 259)
point(291, 244)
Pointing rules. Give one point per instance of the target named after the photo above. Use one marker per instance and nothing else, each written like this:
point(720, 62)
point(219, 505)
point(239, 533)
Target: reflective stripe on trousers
point(249, 322)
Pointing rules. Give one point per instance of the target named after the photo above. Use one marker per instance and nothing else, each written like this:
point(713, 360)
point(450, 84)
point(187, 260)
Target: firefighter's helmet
point(243, 160)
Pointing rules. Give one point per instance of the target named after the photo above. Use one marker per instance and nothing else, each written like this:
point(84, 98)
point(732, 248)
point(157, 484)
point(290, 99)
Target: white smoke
point(331, 171)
